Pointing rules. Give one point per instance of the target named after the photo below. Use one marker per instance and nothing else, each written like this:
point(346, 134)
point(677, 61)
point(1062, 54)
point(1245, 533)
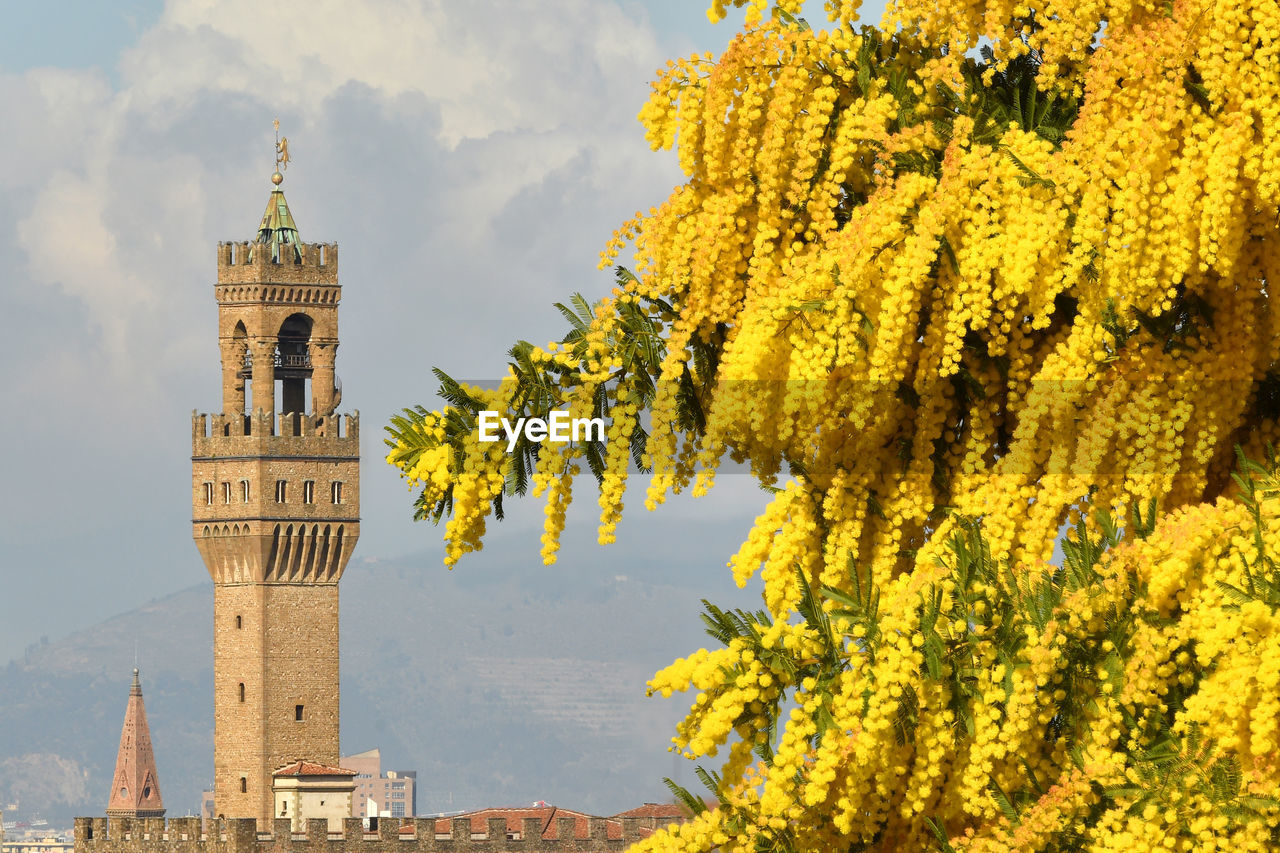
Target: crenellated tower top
point(278, 319)
point(239, 263)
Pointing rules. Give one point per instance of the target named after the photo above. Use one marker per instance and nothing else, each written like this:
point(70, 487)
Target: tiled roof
point(515, 817)
point(659, 811)
point(310, 768)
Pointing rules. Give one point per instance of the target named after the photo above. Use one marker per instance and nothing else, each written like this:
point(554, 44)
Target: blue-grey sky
point(471, 158)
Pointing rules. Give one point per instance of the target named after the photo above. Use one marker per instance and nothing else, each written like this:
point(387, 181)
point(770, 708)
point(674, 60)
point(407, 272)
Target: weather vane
point(282, 154)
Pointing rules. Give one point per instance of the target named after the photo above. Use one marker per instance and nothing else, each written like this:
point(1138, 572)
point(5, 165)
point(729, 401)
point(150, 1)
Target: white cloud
point(489, 65)
point(54, 117)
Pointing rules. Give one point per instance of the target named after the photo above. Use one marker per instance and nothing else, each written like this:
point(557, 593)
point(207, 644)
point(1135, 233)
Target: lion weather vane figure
point(282, 154)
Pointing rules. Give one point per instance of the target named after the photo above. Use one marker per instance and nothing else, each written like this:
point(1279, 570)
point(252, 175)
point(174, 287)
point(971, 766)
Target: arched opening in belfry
point(242, 358)
point(293, 368)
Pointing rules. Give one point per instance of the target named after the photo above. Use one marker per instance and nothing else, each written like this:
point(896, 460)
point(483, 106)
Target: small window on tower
point(242, 691)
point(208, 494)
point(239, 622)
point(297, 713)
point(244, 491)
point(309, 491)
point(282, 491)
point(226, 493)
point(336, 491)
point(244, 785)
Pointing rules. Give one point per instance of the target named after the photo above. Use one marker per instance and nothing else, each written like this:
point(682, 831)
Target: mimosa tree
point(949, 287)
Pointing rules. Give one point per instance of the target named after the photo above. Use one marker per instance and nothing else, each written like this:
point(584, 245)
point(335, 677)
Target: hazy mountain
point(499, 685)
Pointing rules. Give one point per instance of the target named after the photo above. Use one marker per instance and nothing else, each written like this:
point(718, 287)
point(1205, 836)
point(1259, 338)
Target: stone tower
point(276, 510)
point(135, 786)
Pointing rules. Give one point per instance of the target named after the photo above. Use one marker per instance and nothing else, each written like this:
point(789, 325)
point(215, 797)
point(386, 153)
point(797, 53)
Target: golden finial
point(282, 154)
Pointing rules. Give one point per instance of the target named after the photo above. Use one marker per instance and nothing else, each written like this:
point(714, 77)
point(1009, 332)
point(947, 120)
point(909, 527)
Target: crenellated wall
point(239, 434)
point(392, 835)
point(239, 264)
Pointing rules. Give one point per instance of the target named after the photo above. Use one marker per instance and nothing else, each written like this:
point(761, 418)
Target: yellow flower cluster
point(916, 288)
point(1121, 715)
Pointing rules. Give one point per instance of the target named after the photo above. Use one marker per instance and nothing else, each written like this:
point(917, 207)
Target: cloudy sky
point(471, 157)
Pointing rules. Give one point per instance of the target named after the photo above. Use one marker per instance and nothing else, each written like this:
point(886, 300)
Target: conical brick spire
point(135, 787)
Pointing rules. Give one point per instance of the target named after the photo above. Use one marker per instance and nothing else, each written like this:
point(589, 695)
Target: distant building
point(393, 794)
point(135, 785)
point(304, 790)
point(662, 814)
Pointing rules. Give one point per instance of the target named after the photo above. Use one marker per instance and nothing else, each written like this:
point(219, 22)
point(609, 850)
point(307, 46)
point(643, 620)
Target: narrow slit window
point(242, 691)
point(282, 491)
point(244, 785)
point(208, 494)
point(297, 713)
point(335, 490)
point(226, 493)
point(309, 491)
point(244, 491)
point(239, 622)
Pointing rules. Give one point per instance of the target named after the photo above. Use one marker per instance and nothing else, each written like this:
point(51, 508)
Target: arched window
point(242, 691)
point(244, 785)
point(293, 364)
point(244, 491)
point(239, 624)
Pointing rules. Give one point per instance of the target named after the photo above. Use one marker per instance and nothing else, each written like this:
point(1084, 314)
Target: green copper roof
point(278, 230)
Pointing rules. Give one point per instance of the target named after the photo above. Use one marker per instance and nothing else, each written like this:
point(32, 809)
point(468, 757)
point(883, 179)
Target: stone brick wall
point(239, 727)
point(285, 654)
point(121, 835)
point(302, 669)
